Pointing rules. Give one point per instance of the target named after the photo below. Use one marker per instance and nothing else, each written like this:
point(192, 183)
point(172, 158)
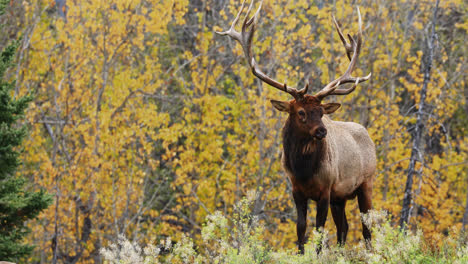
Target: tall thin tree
point(418, 131)
point(465, 214)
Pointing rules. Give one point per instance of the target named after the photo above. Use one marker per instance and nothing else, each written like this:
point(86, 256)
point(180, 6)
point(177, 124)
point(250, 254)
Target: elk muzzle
point(320, 133)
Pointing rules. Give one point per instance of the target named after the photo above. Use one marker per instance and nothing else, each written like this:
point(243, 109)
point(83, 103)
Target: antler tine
point(245, 38)
point(348, 47)
point(355, 46)
point(231, 31)
point(248, 22)
point(251, 22)
point(303, 91)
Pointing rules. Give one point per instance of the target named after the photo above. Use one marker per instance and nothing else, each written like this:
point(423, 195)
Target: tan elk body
point(349, 162)
point(327, 161)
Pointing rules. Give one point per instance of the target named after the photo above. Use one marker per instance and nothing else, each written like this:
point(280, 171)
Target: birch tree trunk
point(415, 151)
point(465, 214)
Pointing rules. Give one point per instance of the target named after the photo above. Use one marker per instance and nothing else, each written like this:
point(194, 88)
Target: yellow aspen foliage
point(144, 121)
point(95, 119)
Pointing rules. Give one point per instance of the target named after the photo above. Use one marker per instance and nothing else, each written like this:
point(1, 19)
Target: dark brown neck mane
point(303, 154)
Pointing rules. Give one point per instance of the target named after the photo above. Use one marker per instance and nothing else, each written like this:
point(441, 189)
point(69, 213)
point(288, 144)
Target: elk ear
point(283, 106)
point(330, 108)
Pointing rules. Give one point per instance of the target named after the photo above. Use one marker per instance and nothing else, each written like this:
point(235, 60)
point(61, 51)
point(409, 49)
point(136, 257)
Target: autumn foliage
point(144, 121)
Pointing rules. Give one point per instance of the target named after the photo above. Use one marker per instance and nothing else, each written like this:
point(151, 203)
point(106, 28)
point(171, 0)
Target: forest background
point(144, 121)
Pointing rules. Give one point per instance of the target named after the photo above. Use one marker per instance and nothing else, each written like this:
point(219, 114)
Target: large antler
point(355, 48)
point(245, 38)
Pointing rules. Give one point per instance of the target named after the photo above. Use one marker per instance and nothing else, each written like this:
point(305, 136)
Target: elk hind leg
point(365, 204)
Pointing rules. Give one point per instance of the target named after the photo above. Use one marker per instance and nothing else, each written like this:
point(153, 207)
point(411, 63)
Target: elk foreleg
point(322, 212)
point(301, 223)
point(339, 216)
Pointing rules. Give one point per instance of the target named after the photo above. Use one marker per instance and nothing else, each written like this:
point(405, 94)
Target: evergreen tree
point(17, 203)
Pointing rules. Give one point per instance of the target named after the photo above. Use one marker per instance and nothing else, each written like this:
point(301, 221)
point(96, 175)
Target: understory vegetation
point(240, 241)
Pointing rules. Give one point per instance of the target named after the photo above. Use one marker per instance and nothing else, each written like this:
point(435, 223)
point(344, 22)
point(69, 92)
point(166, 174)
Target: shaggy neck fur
point(303, 154)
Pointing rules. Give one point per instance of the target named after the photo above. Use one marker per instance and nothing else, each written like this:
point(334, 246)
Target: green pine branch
point(17, 203)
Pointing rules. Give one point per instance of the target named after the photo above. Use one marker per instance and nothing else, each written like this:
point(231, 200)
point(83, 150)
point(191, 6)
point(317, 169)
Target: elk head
point(305, 111)
point(306, 115)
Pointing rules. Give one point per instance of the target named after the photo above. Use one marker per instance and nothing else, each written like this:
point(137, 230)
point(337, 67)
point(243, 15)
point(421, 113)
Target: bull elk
point(327, 161)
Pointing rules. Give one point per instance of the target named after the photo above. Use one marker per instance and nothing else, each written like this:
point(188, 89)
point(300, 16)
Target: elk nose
point(320, 133)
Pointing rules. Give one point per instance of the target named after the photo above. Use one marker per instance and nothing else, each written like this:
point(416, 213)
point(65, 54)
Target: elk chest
point(305, 162)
